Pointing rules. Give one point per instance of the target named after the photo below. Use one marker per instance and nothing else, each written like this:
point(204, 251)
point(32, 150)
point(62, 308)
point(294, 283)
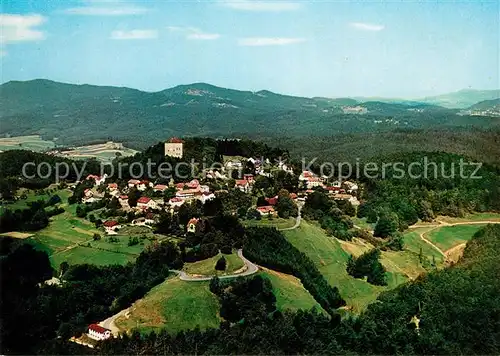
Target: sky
point(399, 49)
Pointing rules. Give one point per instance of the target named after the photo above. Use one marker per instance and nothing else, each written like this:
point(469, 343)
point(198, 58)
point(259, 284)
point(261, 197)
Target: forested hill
point(77, 114)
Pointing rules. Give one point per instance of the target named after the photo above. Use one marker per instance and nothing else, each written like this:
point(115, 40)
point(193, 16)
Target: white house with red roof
point(206, 196)
point(87, 193)
point(160, 187)
point(133, 182)
point(192, 225)
point(111, 226)
point(123, 200)
point(99, 333)
point(243, 185)
point(173, 202)
point(146, 202)
point(194, 184)
point(266, 210)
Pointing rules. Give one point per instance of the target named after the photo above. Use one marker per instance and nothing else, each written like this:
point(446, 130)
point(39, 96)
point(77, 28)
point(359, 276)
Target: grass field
point(414, 244)
point(447, 237)
point(32, 143)
point(174, 305)
point(31, 197)
point(330, 258)
point(361, 222)
point(290, 293)
point(207, 267)
point(275, 222)
point(68, 238)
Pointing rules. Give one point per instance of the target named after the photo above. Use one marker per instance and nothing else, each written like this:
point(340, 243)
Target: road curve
point(251, 268)
point(297, 220)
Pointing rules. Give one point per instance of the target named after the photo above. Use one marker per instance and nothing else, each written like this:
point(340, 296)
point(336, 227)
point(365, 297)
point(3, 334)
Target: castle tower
point(174, 147)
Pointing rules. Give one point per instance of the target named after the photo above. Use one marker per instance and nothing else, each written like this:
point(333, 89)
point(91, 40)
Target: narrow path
point(423, 238)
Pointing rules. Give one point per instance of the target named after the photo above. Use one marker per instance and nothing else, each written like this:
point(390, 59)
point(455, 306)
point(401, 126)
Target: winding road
point(250, 268)
point(297, 220)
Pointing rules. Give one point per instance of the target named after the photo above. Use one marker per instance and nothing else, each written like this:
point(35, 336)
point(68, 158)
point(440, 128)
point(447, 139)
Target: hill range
point(79, 114)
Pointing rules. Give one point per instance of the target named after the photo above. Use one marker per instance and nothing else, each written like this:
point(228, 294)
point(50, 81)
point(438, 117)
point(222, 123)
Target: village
point(150, 198)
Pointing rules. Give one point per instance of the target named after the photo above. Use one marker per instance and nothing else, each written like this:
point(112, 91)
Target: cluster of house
point(336, 190)
point(194, 190)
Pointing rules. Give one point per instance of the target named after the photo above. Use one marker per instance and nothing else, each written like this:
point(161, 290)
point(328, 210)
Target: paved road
point(109, 323)
point(297, 220)
point(251, 268)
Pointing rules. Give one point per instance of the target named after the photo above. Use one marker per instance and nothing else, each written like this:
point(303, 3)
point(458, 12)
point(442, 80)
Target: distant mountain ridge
point(79, 113)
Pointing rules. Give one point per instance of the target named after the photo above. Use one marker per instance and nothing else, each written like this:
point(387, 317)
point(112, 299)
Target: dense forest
point(90, 292)
point(401, 199)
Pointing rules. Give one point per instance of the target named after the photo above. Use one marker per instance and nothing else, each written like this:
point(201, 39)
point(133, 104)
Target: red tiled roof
point(143, 200)
point(98, 328)
point(241, 182)
point(123, 197)
point(133, 181)
point(160, 186)
point(193, 221)
point(113, 185)
point(293, 196)
point(175, 200)
point(265, 208)
point(110, 223)
point(333, 188)
point(92, 176)
point(272, 201)
point(175, 140)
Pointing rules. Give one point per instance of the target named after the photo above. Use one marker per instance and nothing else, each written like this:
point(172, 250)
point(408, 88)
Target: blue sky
point(309, 48)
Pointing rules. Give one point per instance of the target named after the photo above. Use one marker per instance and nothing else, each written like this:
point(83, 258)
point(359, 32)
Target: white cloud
point(134, 35)
point(193, 33)
point(203, 36)
point(256, 5)
point(366, 26)
point(107, 10)
point(16, 28)
point(269, 41)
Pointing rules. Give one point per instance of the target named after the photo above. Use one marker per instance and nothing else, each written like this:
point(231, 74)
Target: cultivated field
point(103, 151)
point(32, 143)
point(174, 305)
